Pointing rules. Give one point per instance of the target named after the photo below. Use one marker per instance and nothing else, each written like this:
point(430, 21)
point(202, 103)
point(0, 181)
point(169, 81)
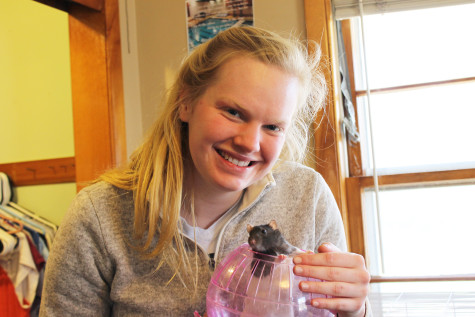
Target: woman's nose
point(248, 139)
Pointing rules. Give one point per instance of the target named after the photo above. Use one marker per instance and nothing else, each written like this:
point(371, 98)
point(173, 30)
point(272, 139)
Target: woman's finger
point(331, 273)
point(335, 289)
point(354, 305)
point(328, 247)
point(337, 259)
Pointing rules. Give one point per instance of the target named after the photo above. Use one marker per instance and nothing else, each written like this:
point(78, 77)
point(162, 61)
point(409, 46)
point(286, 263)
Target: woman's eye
point(273, 128)
point(233, 113)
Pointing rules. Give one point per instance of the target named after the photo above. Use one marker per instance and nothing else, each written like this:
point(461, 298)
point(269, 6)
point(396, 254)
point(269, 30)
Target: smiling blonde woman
point(224, 152)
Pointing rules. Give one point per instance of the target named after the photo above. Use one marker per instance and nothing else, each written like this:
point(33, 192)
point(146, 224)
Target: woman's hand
point(345, 278)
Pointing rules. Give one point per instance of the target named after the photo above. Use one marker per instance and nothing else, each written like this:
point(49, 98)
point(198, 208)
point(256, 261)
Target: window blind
point(344, 9)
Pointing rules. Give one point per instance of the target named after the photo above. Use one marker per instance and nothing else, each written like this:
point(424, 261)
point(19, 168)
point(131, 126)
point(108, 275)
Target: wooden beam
point(329, 142)
point(355, 164)
point(97, 91)
point(325, 134)
point(57, 4)
point(51, 171)
point(355, 216)
point(412, 179)
point(360, 93)
point(115, 82)
point(433, 278)
point(93, 4)
point(63, 5)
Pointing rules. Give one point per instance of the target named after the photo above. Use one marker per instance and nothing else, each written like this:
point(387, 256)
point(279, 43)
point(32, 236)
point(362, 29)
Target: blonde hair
point(155, 172)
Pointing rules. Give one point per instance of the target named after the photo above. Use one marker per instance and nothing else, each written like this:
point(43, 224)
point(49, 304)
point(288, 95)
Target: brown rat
point(269, 240)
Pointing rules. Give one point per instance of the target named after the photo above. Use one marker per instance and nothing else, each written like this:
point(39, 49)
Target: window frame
point(357, 182)
point(345, 174)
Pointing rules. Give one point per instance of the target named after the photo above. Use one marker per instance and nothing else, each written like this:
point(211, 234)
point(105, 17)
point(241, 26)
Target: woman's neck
point(208, 206)
point(208, 210)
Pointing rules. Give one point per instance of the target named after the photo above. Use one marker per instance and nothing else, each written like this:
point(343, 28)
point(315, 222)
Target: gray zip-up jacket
point(93, 269)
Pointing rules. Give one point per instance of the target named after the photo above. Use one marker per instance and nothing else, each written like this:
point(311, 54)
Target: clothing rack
point(50, 171)
point(25, 238)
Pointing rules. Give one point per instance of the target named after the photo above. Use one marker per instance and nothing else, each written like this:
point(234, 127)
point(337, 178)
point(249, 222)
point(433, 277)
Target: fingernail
point(297, 260)
point(304, 286)
point(298, 270)
point(330, 246)
point(315, 303)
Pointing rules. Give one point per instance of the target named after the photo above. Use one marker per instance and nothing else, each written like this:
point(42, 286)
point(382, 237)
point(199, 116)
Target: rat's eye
point(264, 231)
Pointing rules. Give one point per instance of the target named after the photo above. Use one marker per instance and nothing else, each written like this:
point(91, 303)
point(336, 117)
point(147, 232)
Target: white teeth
point(233, 160)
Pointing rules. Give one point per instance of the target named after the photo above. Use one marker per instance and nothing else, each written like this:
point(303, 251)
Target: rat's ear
point(273, 224)
point(249, 228)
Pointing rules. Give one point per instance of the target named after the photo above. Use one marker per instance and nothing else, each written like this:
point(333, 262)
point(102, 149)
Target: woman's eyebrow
point(229, 103)
point(246, 113)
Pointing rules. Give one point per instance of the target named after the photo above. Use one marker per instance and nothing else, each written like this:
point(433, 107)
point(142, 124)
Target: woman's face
point(237, 127)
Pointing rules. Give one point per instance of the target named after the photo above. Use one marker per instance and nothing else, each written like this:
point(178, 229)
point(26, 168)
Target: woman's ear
point(185, 112)
point(185, 108)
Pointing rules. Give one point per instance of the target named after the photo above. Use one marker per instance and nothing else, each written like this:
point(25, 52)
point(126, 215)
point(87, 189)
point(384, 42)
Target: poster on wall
point(206, 18)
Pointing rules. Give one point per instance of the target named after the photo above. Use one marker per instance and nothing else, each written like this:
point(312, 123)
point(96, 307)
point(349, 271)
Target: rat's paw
point(282, 257)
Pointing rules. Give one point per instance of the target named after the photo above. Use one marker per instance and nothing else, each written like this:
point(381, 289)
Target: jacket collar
point(257, 190)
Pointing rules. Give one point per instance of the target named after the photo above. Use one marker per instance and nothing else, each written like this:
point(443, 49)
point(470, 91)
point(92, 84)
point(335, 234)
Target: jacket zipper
point(212, 261)
point(220, 236)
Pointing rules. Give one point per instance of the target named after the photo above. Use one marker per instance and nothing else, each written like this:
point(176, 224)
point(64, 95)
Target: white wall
point(154, 41)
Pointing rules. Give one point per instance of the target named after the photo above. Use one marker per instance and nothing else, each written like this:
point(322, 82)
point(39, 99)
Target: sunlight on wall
point(35, 97)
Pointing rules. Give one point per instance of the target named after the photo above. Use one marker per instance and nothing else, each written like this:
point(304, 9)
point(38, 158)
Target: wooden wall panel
point(96, 71)
point(92, 135)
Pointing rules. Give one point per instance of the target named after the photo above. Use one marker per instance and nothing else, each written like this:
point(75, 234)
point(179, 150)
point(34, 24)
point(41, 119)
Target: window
point(416, 122)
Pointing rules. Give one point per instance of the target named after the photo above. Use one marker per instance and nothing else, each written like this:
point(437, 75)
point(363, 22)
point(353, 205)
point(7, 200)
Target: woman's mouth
point(233, 160)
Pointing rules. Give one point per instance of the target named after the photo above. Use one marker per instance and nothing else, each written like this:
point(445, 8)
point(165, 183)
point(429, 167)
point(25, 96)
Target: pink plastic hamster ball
point(247, 283)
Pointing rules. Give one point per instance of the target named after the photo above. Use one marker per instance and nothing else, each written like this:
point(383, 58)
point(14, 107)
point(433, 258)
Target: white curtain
point(344, 9)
